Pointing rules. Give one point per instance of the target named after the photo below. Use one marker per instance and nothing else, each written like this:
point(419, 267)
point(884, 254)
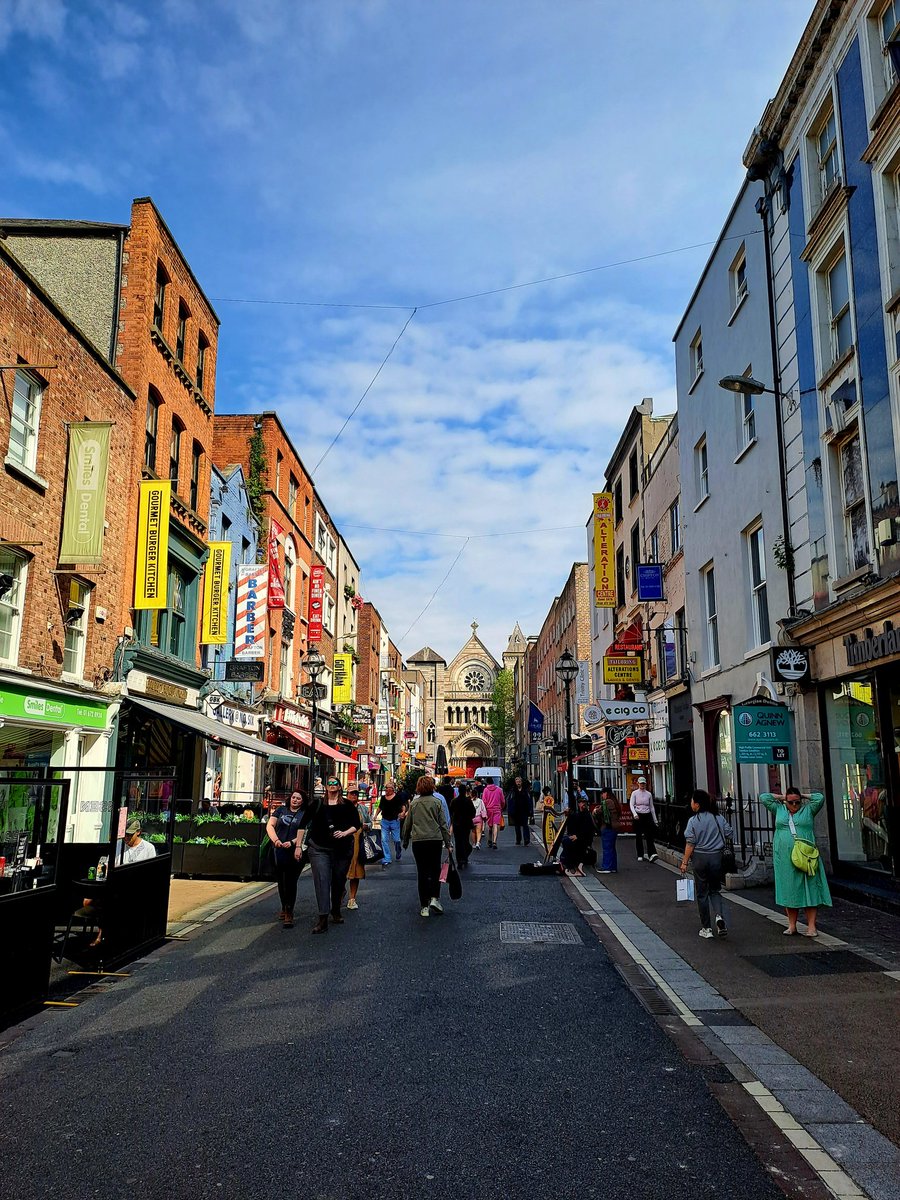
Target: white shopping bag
point(684, 889)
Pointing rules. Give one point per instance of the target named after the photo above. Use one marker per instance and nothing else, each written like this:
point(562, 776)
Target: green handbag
point(804, 855)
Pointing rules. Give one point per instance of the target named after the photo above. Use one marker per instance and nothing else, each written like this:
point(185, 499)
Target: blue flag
point(535, 719)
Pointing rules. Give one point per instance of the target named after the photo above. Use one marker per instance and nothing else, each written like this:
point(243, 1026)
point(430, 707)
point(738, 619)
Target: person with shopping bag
point(357, 871)
point(705, 836)
point(426, 828)
point(799, 875)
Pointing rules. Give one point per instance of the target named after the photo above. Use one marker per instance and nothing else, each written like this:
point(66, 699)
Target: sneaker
point(640, 858)
point(653, 858)
point(721, 927)
point(707, 933)
point(606, 872)
point(352, 906)
point(385, 865)
point(436, 905)
point(426, 912)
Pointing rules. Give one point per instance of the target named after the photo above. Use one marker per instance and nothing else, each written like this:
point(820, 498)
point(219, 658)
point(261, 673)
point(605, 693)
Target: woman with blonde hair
point(426, 827)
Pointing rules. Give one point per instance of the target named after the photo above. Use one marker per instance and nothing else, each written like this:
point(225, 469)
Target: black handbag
point(454, 883)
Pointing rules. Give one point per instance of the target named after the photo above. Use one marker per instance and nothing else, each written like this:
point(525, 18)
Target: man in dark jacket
point(520, 809)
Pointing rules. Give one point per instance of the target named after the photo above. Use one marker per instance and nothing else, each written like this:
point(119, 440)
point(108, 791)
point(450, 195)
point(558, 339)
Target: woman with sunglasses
point(794, 889)
point(329, 841)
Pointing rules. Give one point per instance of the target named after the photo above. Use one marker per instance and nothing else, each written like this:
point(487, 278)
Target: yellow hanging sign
point(215, 594)
point(152, 568)
point(604, 551)
point(342, 685)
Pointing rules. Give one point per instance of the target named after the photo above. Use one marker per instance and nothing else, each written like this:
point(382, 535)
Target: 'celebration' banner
point(85, 507)
point(215, 594)
point(152, 569)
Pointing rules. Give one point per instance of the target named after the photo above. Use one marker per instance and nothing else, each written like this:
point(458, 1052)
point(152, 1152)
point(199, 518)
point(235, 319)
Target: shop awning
point(218, 731)
point(305, 738)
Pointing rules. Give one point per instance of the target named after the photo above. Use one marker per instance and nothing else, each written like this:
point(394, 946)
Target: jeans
point(644, 828)
point(428, 866)
point(390, 837)
point(523, 834)
point(329, 872)
point(608, 841)
point(287, 873)
point(708, 885)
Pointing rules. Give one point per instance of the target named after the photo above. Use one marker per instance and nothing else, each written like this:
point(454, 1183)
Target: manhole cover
point(813, 962)
point(522, 932)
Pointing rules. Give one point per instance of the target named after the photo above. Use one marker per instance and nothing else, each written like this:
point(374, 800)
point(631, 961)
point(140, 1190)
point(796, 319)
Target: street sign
point(638, 754)
point(762, 732)
point(650, 582)
point(382, 723)
point(620, 669)
point(237, 671)
point(623, 710)
point(310, 691)
point(410, 735)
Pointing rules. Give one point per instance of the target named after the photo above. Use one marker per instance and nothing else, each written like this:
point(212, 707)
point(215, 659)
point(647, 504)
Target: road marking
point(838, 1182)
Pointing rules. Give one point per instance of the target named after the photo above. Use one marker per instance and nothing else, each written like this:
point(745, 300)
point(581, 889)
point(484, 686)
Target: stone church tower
point(459, 705)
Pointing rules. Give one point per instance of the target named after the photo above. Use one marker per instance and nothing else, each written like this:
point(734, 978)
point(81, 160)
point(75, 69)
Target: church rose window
point(475, 681)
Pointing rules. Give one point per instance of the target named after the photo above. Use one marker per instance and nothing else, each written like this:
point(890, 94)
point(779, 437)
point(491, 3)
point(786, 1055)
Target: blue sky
point(401, 153)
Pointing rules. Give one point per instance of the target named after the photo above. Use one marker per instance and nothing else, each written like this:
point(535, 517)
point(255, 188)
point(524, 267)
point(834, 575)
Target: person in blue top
point(795, 889)
point(704, 845)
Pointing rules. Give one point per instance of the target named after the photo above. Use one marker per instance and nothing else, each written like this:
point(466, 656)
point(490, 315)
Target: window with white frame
point(13, 570)
point(24, 419)
point(708, 580)
point(737, 279)
point(747, 402)
point(675, 527)
point(328, 614)
point(325, 545)
point(889, 31)
point(151, 429)
point(290, 560)
point(654, 545)
point(853, 497)
point(701, 468)
point(76, 625)
point(759, 603)
point(839, 318)
point(826, 150)
point(284, 669)
point(697, 355)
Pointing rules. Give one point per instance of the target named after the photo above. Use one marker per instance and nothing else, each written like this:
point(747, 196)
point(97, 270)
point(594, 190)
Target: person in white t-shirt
point(641, 805)
point(136, 849)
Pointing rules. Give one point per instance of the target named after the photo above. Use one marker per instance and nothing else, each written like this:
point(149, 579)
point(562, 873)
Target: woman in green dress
point(795, 889)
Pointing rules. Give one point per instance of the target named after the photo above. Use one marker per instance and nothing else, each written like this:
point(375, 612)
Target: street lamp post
point(314, 665)
point(567, 669)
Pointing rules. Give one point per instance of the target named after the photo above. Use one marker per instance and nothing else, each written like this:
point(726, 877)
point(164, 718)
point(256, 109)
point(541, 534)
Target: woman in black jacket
point(579, 837)
point(462, 816)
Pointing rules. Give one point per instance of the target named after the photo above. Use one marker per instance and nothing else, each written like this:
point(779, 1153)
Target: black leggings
point(428, 865)
point(286, 875)
point(461, 834)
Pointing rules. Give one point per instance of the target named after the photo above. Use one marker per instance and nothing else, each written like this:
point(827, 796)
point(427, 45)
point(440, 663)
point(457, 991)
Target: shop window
point(708, 583)
point(859, 781)
point(76, 626)
point(159, 296)
point(200, 375)
point(13, 571)
point(759, 603)
point(151, 428)
point(175, 452)
point(181, 333)
point(24, 419)
point(196, 464)
point(853, 494)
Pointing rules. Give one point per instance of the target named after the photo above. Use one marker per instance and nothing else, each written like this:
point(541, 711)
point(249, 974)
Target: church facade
point(458, 702)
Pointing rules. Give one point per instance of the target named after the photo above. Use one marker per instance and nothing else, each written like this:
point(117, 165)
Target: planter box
point(212, 861)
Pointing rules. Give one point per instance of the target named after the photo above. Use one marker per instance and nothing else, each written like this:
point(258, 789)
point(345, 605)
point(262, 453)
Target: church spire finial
point(474, 626)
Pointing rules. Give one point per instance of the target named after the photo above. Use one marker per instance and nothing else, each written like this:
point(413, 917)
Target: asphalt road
point(396, 1056)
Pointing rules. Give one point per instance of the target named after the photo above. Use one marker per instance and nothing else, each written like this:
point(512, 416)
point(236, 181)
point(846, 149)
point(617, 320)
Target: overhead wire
point(436, 590)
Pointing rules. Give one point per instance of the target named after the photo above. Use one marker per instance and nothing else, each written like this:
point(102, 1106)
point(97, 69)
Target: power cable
point(435, 592)
point(467, 536)
point(365, 393)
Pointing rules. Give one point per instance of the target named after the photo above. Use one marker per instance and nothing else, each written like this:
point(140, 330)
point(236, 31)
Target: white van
point(487, 775)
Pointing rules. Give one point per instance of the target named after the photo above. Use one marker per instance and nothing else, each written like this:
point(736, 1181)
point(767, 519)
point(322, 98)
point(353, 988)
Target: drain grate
point(529, 932)
point(813, 962)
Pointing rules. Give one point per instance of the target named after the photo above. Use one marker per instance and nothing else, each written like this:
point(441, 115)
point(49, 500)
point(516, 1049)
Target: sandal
point(789, 932)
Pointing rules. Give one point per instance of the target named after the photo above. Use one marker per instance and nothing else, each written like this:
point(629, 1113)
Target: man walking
point(641, 805)
point(519, 805)
point(392, 808)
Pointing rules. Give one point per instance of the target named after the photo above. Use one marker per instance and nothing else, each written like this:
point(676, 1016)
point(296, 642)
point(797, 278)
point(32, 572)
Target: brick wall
point(81, 387)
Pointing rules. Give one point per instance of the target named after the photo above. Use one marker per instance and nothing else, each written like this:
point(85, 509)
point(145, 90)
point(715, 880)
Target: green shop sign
point(56, 710)
point(762, 732)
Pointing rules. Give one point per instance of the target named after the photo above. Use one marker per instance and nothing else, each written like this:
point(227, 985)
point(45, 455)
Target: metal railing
point(751, 821)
